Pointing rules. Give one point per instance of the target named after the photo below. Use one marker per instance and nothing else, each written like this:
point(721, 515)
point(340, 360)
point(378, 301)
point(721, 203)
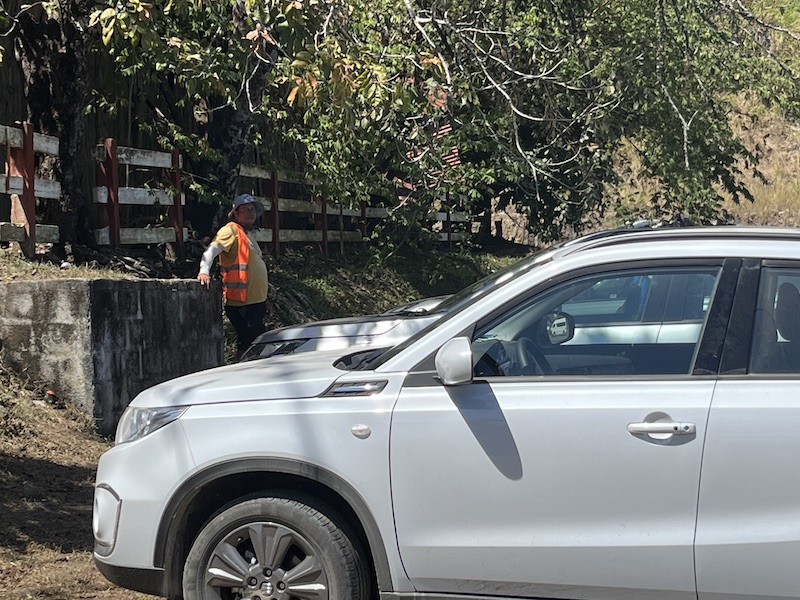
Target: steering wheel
point(529, 355)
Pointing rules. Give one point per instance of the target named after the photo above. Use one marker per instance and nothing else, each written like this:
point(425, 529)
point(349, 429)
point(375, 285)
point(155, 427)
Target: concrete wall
point(100, 342)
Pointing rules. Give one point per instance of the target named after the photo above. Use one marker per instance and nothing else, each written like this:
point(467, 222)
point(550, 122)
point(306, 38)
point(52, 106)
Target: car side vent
point(356, 388)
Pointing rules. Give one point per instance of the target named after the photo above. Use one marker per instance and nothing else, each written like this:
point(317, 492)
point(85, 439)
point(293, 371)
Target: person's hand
point(204, 279)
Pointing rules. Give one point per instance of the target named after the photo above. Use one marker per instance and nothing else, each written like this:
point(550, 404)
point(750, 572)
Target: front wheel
point(274, 548)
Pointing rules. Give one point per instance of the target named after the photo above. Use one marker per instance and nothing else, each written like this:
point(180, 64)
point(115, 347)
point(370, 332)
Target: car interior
point(631, 323)
point(776, 333)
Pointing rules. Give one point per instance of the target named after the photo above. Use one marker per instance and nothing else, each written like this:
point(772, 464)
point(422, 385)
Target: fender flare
point(175, 510)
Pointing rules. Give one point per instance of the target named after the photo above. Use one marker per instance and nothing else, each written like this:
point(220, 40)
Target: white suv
point(613, 419)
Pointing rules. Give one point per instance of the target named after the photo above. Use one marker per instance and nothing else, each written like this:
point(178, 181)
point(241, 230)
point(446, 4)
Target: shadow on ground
point(46, 503)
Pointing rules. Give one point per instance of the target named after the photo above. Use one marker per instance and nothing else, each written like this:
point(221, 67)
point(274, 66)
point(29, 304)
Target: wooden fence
point(22, 146)
point(330, 221)
point(320, 221)
point(112, 196)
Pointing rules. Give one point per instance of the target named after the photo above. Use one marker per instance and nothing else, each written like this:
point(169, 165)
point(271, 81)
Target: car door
point(577, 479)
point(748, 530)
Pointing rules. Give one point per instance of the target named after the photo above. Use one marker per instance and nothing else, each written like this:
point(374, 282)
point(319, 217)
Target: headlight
point(139, 422)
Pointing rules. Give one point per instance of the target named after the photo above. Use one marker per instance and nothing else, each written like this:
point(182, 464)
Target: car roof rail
point(638, 226)
point(685, 229)
point(623, 235)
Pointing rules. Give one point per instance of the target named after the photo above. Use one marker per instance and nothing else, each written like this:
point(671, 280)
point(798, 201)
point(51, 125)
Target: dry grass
point(13, 267)
point(777, 202)
point(48, 457)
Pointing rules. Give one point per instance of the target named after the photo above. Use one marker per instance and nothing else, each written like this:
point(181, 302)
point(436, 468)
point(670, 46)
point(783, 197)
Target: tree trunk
point(54, 55)
point(230, 127)
point(229, 133)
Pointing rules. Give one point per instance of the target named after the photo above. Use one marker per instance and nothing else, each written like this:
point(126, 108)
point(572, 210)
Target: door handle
point(663, 427)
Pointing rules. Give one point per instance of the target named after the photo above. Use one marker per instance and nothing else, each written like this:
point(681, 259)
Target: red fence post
point(108, 175)
point(21, 163)
point(176, 210)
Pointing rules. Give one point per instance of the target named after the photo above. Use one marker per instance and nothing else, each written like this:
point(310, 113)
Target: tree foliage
point(535, 98)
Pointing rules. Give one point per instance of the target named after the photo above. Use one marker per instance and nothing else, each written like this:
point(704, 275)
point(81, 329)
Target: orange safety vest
point(234, 274)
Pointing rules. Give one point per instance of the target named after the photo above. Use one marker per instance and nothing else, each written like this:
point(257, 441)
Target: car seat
point(631, 308)
point(771, 353)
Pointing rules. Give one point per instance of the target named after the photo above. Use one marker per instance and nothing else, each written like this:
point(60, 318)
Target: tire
point(278, 548)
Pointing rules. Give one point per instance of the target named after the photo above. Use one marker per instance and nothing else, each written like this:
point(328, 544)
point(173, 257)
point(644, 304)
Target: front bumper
point(134, 482)
point(147, 581)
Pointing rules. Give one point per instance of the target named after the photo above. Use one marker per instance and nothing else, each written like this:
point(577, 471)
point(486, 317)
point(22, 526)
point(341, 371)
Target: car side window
point(638, 322)
point(775, 346)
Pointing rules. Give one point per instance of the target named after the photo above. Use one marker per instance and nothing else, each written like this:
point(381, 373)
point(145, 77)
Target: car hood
point(366, 326)
point(280, 377)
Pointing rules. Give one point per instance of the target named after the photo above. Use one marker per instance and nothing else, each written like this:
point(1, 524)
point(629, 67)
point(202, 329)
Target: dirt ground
point(48, 457)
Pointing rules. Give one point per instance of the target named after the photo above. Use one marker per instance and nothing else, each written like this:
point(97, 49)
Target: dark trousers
point(248, 321)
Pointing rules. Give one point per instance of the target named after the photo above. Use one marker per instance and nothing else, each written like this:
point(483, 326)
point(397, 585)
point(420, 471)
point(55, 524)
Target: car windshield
point(460, 300)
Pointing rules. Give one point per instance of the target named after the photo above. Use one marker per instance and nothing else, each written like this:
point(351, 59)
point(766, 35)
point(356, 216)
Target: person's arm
point(206, 261)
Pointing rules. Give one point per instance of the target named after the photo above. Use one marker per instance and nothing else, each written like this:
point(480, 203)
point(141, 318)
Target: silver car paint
point(385, 329)
point(542, 501)
point(281, 377)
point(748, 522)
point(315, 430)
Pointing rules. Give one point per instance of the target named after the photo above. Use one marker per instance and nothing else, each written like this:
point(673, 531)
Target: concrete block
point(100, 342)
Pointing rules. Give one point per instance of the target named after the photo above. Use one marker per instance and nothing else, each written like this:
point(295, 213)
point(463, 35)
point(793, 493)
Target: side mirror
point(560, 327)
point(454, 361)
